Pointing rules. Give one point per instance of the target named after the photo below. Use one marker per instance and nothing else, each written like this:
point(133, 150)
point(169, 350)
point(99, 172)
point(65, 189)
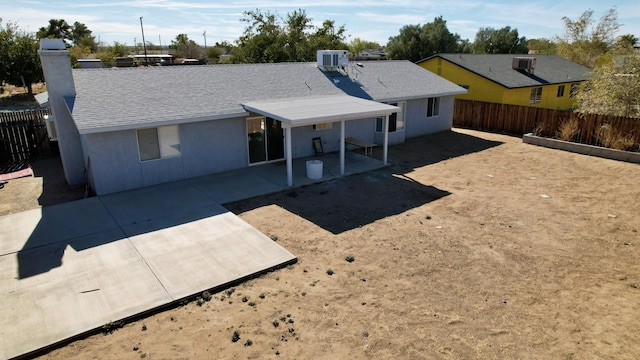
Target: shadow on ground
point(55, 189)
point(357, 208)
point(431, 149)
point(381, 193)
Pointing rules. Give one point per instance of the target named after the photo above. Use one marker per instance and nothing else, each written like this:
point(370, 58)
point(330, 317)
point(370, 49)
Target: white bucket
point(314, 169)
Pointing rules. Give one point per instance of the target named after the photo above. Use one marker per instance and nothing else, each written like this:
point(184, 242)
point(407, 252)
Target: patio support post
point(385, 126)
point(287, 135)
point(342, 131)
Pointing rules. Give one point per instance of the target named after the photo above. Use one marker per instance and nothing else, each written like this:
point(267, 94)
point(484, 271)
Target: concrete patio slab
point(211, 250)
point(153, 202)
point(71, 268)
point(51, 224)
point(235, 185)
point(106, 281)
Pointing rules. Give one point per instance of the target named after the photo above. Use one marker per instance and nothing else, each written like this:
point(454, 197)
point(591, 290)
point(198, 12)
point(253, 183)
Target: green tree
point(78, 52)
point(82, 36)
point(327, 37)
point(584, 42)
point(406, 45)
point(357, 45)
point(626, 43)
point(111, 52)
point(296, 43)
point(57, 29)
point(262, 40)
point(613, 88)
point(268, 39)
point(7, 33)
point(501, 41)
point(417, 42)
point(24, 68)
point(185, 47)
point(213, 53)
point(542, 46)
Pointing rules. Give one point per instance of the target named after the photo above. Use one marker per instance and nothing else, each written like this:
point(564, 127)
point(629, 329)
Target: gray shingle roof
point(550, 69)
point(127, 98)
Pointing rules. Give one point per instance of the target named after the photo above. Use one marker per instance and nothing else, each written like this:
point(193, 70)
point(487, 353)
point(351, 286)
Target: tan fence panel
point(519, 120)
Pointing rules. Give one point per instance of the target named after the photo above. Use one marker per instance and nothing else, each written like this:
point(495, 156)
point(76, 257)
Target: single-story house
point(546, 81)
point(124, 128)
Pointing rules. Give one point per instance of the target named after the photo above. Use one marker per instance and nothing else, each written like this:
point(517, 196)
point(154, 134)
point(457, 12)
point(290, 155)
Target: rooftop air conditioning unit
point(527, 64)
point(333, 58)
point(51, 127)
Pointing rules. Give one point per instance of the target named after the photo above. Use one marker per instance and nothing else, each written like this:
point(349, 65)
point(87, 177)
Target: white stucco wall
point(210, 147)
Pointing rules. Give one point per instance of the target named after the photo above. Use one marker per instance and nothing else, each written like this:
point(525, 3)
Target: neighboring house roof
point(129, 98)
point(42, 99)
point(550, 69)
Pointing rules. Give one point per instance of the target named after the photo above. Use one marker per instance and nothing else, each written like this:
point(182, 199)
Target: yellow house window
point(561, 91)
point(536, 95)
point(574, 90)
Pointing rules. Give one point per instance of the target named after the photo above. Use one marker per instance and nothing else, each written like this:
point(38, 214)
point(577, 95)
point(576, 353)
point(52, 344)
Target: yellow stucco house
point(546, 81)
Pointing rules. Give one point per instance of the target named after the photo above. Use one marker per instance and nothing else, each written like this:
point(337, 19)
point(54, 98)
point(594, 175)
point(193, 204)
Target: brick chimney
point(56, 66)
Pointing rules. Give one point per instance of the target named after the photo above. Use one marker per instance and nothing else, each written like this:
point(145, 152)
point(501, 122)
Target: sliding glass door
point(265, 140)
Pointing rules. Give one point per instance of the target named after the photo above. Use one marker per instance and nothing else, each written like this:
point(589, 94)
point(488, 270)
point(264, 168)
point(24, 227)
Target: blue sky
point(373, 20)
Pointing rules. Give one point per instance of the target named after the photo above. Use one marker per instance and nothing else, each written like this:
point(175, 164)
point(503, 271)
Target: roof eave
point(84, 131)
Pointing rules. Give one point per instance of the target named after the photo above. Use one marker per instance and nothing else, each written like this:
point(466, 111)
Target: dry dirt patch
point(455, 253)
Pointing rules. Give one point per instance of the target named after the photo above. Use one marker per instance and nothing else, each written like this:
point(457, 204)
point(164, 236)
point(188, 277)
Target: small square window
point(157, 143)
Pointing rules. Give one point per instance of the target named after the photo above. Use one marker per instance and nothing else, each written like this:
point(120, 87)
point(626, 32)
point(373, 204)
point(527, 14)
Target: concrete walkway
point(71, 268)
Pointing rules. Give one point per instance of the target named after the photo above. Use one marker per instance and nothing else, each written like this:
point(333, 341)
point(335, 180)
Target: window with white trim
point(536, 95)
point(433, 106)
point(158, 143)
point(396, 120)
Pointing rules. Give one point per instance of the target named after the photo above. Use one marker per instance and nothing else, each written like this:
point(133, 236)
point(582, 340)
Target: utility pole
point(205, 39)
point(144, 44)
point(160, 42)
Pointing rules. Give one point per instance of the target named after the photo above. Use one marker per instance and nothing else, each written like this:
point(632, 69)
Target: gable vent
point(527, 64)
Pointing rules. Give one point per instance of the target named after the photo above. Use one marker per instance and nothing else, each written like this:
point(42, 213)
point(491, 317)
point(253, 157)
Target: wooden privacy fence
point(519, 120)
point(23, 135)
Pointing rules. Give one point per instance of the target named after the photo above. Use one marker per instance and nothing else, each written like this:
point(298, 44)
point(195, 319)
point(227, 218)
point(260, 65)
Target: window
point(396, 120)
point(574, 90)
point(433, 107)
point(157, 143)
point(324, 126)
point(561, 91)
point(536, 95)
point(464, 86)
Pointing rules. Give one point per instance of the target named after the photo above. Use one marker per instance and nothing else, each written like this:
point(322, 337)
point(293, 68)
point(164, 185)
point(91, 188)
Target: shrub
point(235, 337)
point(612, 138)
point(568, 129)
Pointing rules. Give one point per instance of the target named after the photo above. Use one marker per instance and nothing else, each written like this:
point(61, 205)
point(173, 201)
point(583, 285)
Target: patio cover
point(294, 112)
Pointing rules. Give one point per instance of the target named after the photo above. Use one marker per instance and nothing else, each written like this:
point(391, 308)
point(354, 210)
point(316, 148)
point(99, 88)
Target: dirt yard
point(472, 245)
